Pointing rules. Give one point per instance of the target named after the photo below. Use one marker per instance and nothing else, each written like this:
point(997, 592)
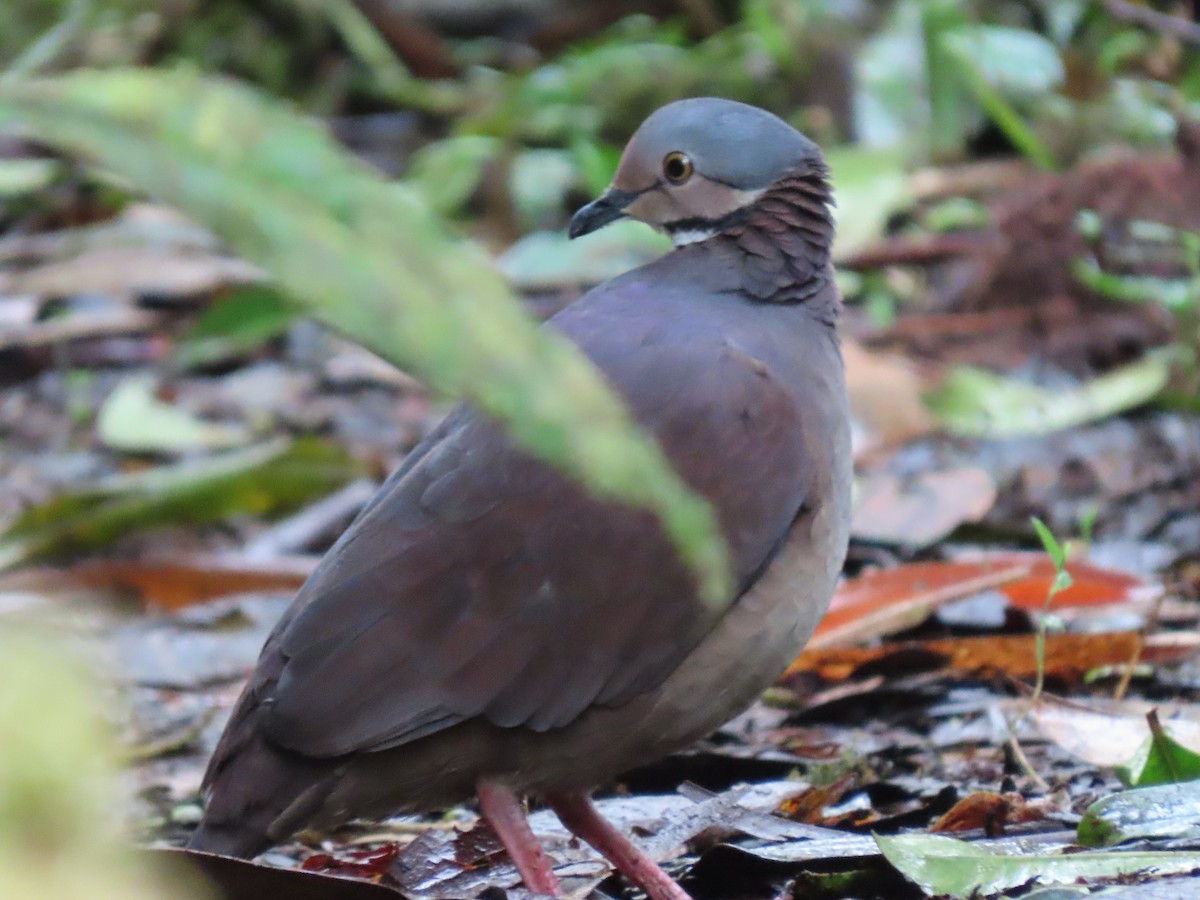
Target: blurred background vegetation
point(498, 118)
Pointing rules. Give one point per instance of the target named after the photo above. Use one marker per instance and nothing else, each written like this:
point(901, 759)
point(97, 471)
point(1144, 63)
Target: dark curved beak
point(606, 208)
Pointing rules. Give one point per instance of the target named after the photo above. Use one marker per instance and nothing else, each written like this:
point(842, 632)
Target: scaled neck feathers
point(780, 244)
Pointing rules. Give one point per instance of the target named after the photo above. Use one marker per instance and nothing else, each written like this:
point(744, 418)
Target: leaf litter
point(908, 714)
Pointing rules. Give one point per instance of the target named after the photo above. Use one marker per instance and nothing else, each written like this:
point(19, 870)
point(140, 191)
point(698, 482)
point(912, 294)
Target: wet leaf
point(945, 866)
point(1167, 810)
point(134, 420)
point(262, 480)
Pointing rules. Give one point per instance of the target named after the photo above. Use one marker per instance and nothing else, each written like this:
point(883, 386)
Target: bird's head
point(694, 165)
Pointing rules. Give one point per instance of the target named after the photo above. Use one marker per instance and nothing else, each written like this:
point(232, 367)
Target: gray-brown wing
point(483, 583)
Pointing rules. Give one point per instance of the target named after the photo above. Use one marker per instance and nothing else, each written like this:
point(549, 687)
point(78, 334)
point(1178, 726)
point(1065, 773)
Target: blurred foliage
point(369, 259)
point(57, 788)
point(265, 480)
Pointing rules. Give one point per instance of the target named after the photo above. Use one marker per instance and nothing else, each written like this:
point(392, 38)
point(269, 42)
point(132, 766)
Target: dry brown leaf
point(923, 509)
point(167, 582)
point(987, 811)
point(884, 602)
point(1068, 656)
point(885, 397)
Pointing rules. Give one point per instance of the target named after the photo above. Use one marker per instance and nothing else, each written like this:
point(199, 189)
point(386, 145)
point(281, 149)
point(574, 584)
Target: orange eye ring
point(677, 167)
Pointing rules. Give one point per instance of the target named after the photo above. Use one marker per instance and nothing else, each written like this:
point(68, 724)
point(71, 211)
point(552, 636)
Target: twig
point(1151, 18)
point(1022, 760)
point(1139, 646)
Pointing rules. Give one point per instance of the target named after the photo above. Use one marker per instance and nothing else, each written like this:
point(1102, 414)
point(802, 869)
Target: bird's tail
point(259, 794)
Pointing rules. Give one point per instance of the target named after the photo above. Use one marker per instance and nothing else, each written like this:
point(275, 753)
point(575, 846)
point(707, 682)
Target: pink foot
point(581, 818)
point(504, 813)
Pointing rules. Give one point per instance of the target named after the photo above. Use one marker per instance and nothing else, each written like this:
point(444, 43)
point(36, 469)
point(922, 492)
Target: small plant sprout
point(1058, 553)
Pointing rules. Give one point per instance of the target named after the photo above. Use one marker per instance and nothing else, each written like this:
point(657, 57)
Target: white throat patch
point(690, 236)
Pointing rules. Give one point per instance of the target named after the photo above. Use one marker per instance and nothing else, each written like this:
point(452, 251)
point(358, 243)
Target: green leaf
point(133, 419)
point(369, 258)
point(547, 259)
point(1168, 810)
point(1160, 760)
point(979, 63)
point(976, 403)
point(21, 177)
point(263, 480)
point(235, 324)
point(944, 866)
point(448, 171)
point(1056, 551)
point(1012, 60)
point(869, 185)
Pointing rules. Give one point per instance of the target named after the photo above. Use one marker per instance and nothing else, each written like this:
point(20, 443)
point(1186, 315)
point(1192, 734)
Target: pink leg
point(505, 814)
point(581, 818)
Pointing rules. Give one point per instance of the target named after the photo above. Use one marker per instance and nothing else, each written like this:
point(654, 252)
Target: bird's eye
point(677, 167)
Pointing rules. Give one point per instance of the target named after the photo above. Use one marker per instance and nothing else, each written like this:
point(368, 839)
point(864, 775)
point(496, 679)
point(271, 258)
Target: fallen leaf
point(1108, 736)
point(1166, 810)
point(167, 582)
point(945, 866)
point(238, 879)
point(922, 509)
point(1160, 760)
point(885, 601)
point(986, 811)
point(977, 403)
point(134, 420)
point(885, 397)
point(889, 600)
point(268, 478)
point(1068, 656)
point(132, 271)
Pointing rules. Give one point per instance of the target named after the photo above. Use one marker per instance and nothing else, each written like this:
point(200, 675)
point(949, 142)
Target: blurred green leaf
point(945, 866)
point(547, 259)
point(977, 403)
point(447, 172)
point(1169, 810)
point(869, 184)
point(1015, 61)
point(134, 420)
point(538, 182)
point(996, 63)
point(596, 163)
point(20, 177)
point(1056, 551)
point(369, 258)
point(235, 324)
point(265, 480)
point(59, 836)
point(950, 116)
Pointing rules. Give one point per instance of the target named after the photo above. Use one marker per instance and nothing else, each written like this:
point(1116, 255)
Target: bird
point(485, 628)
